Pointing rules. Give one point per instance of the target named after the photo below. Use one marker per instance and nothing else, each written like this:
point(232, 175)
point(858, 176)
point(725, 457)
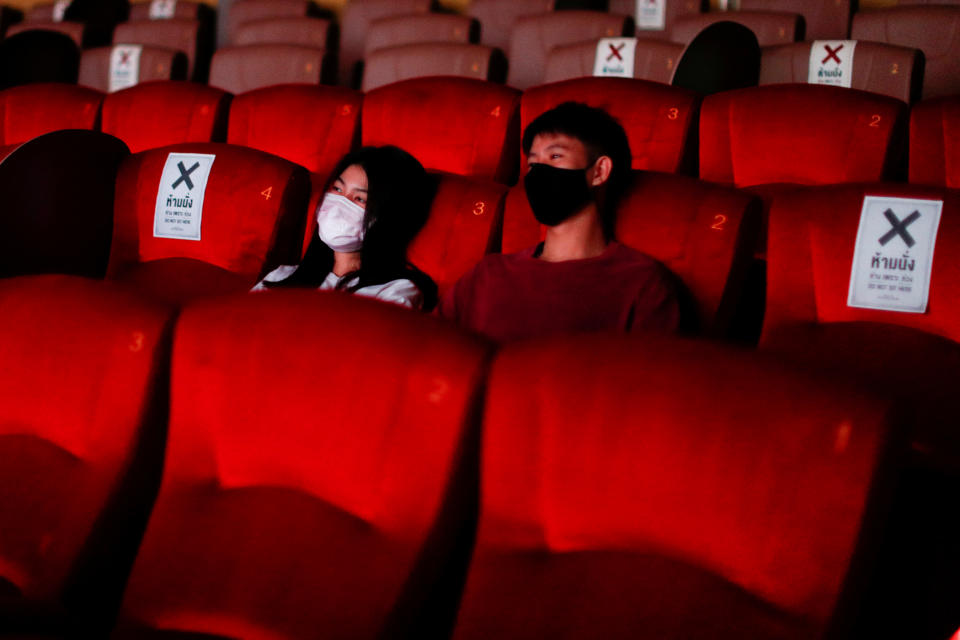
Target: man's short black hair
point(601, 135)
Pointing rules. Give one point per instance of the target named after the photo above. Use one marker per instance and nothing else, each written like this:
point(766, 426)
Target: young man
point(579, 278)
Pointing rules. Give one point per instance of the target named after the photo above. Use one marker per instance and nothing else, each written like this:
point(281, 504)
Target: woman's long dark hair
point(398, 201)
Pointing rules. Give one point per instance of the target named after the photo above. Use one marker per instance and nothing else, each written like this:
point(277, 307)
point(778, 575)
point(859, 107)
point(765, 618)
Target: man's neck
point(578, 237)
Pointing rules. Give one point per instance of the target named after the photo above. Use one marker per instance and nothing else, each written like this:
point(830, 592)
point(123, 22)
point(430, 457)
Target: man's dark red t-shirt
point(508, 297)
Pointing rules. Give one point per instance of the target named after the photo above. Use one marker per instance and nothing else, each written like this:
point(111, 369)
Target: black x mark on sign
point(615, 51)
point(899, 227)
point(185, 174)
point(831, 53)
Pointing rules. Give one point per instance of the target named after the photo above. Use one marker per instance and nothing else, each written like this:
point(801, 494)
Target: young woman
point(376, 202)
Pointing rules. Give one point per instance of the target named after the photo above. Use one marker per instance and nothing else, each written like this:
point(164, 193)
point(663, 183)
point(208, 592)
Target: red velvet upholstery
point(253, 217)
point(804, 134)
point(254, 66)
point(242, 11)
point(327, 502)
point(617, 502)
point(533, 37)
point(458, 125)
point(703, 233)
point(496, 17)
point(934, 30)
point(652, 60)
point(418, 60)
point(354, 24)
point(32, 110)
point(935, 142)
point(461, 228)
point(393, 31)
point(75, 30)
point(156, 63)
point(675, 10)
point(825, 19)
point(188, 9)
point(879, 68)
point(770, 27)
point(180, 34)
point(79, 397)
point(811, 243)
point(300, 30)
point(155, 114)
point(659, 120)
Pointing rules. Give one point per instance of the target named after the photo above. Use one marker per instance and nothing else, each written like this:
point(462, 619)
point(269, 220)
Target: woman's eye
point(336, 189)
point(360, 200)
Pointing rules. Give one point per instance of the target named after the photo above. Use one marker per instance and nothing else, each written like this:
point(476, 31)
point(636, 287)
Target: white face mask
point(340, 223)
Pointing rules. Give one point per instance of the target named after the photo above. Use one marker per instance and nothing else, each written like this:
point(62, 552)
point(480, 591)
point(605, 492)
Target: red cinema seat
point(333, 507)
point(770, 27)
point(304, 31)
point(496, 17)
point(635, 487)
point(254, 66)
point(32, 110)
point(824, 19)
point(355, 23)
point(674, 10)
point(457, 125)
point(394, 31)
point(879, 68)
point(311, 126)
point(403, 62)
point(241, 12)
point(179, 34)
point(248, 220)
point(660, 120)
point(652, 60)
point(460, 229)
point(167, 9)
point(533, 37)
point(155, 114)
point(81, 444)
point(800, 134)
point(706, 235)
point(935, 30)
point(154, 63)
point(935, 142)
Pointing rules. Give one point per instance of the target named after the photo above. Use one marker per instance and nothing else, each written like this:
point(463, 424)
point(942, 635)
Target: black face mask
point(556, 194)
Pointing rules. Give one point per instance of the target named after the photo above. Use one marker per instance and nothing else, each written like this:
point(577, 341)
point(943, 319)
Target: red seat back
point(935, 142)
point(674, 10)
point(804, 134)
point(155, 63)
point(418, 60)
point(180, 34)
point(619, 503)
point(355, 23)
point(253, 66)
point(652, 60)
point(299, 30)
point(458, 125)
point(496, 18)
point(155, 114)
point(659, 119)
point(343, 476)
point(31, 110)
point(770, 27)
point(825, 19)
point(394, 31)
point(241, 12)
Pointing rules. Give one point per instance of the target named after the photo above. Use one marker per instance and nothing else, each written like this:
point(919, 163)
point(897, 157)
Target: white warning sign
point(893, 256)
point(651, 15)
point(124, 66)
point(162, 9)
point(831, 62)
point(60, 9)
point(614, 57)
point(179, 206)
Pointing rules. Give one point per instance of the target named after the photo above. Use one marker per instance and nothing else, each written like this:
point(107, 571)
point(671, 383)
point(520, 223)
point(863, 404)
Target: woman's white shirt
point(401, 291)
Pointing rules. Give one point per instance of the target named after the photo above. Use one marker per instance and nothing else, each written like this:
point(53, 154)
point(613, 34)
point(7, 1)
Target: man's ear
point(601, 171)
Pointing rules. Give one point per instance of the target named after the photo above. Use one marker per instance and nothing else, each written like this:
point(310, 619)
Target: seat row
point(397, 40)
point(383, 474)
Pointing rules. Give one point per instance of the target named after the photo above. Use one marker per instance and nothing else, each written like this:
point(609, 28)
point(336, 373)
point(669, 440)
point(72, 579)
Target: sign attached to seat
point(651, 15)
point(60, 9)
point(614, 57)
point(124, 66)
point(162, 9)
point(179, 207)
point(893, 257)
point(831, 62)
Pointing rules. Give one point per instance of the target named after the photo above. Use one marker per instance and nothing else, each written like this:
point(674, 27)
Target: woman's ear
point(601, 171)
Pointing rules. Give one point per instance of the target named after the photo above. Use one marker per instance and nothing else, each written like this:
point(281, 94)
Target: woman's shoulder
point(401, 291)
point(282, 272)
